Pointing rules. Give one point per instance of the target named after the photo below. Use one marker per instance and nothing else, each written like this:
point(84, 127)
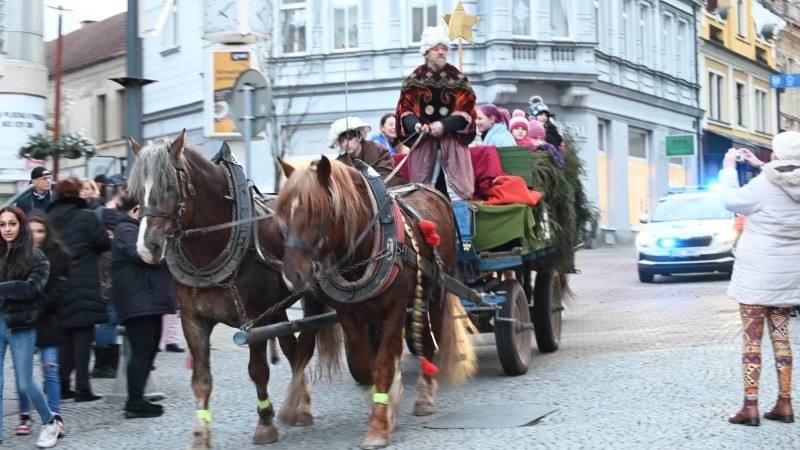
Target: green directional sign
point(681, 145)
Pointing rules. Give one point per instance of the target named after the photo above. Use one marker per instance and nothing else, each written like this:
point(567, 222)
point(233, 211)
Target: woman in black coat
point(23, 275)
point(142, 294)
point(83, 306)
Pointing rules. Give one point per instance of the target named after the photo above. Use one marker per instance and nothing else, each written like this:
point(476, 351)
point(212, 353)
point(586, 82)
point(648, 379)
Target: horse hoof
point(304, 420)
point(371, 442)
point(265, 435)
point(423, 409)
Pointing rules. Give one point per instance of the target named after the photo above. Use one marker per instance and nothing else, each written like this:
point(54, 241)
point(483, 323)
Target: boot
point(86, 396)
point(105, 361)
point(66, 392)
point(135, 409)
point(782, 411)
point(748, 415)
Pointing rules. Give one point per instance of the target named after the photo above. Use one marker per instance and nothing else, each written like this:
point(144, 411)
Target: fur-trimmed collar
point(777, 173)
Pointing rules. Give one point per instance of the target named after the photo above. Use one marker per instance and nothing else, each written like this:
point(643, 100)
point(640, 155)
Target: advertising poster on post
point(226, 65)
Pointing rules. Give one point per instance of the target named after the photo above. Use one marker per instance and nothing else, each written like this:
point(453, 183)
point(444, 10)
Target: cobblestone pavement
point(641, 366)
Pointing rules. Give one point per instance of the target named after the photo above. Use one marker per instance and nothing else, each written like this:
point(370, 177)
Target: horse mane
point(342, 207)
point(155, 161)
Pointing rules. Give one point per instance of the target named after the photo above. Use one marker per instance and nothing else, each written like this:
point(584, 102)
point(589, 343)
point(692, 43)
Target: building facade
point(91, 104)
point(787, 58)
point(737, 57)
point(620, 76)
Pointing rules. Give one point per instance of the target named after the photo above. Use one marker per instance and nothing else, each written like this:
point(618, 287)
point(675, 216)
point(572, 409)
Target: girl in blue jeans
point(23, 276)
point(48, 332)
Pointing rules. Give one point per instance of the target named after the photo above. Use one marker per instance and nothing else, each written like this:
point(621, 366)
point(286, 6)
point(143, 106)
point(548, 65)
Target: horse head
point(155, 182)
point(316, 211)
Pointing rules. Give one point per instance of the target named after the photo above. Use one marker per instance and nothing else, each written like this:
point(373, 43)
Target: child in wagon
point(532, 134)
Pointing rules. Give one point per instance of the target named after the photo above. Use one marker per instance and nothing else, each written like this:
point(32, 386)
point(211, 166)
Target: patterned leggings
point(753, 317)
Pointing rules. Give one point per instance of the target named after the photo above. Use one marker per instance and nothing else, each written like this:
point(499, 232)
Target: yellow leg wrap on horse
point(204, 414)
point(380, 398)
point(264, 404)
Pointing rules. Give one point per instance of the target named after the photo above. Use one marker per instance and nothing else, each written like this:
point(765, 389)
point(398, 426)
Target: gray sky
point(81, 10)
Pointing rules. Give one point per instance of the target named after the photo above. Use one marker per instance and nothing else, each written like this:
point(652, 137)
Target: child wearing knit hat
point(518, 125)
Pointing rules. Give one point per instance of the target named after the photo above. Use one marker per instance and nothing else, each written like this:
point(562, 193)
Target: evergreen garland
point(573, 218)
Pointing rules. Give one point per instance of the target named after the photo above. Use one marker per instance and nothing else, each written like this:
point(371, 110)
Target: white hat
point(346, 124)
point(786, 145)
point(431, 37)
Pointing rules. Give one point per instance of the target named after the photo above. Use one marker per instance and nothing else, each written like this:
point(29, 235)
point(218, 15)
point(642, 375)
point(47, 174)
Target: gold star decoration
point(460, 23)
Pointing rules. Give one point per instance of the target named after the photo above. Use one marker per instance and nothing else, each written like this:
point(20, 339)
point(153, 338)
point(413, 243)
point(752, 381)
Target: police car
point(689, 231)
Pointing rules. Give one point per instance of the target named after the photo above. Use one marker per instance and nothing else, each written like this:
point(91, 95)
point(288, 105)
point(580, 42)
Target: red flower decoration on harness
point(428, 230)
point(428, 368)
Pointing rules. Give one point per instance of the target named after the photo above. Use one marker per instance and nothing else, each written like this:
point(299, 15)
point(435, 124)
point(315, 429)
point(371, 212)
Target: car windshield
point(690, 208)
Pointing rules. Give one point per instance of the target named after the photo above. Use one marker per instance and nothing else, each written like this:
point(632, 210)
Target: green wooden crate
point(517, 161)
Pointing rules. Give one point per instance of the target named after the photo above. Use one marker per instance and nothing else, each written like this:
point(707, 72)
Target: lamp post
point(59, 67)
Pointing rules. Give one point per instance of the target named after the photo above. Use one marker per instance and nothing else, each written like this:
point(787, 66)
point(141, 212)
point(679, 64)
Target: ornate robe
point(433, 96)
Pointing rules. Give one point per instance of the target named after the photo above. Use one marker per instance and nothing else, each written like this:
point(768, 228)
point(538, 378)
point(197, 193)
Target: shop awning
point(748, 144)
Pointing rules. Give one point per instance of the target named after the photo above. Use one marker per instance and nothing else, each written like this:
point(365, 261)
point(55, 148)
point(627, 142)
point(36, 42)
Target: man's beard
point(437, 63)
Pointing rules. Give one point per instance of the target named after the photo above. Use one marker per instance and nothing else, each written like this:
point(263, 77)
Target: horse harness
point(390, 251)
point(243, 236)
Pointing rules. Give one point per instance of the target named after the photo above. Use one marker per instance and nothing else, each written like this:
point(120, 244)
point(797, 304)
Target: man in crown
point(437, 100)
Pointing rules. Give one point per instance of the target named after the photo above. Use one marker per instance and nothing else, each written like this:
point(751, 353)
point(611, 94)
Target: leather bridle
point(185, 185)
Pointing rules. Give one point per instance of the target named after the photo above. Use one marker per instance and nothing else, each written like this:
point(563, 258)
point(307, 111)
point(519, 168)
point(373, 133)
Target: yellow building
point(737, 56)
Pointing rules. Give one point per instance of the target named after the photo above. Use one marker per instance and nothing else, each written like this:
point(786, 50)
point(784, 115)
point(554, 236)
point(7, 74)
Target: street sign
point(784, 80)
point(251, 85)
point(680, 145)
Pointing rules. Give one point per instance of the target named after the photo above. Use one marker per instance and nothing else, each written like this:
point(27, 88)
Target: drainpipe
point(698, 131)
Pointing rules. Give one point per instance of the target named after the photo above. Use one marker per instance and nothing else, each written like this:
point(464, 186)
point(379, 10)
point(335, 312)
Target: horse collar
point(382, 267)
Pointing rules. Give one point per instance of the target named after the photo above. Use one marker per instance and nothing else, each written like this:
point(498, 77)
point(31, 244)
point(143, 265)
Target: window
point(521, 22)
point(715, 96)
point(559, 18)
point(762, 115)
point(102, 113)
point(169, 34)
point(625, 21)
point(637, 143)
point(643, 35)
point(345, 24)
point(667, 39)
point(602, 135)
point(741, 106)
point(741, 19)
point(423, 14)
point(682, 47)
point(293, 26)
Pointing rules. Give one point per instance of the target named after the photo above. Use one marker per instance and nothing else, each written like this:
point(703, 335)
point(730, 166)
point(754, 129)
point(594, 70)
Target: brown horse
point(322, 210)
point(188, 203)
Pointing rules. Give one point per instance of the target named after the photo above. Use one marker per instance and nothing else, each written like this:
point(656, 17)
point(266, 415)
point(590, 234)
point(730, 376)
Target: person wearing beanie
point(493, 126)
point(518, 125)
point(767, 268)
point(541, 112)
point(538, 142)
point(447, 119)
point(349, 136)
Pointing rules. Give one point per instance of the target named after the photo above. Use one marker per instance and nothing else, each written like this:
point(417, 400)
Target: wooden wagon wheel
point(547, 309)
point(512, 340)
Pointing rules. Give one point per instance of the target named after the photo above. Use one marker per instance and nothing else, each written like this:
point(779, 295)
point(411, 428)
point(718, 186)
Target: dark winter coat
point(48, 327)
point(86, 239)
point(139, 289)
point(29, 202)
point(22, 298)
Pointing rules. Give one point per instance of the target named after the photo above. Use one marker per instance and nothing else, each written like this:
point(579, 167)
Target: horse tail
point(457, 360)
point(567, 294)
point(330, 341)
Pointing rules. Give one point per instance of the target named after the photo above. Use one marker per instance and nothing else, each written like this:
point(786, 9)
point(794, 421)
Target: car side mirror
point(644, 218)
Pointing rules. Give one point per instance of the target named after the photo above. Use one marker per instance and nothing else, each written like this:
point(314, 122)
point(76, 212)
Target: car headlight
point(645, 239)
point(727, 236)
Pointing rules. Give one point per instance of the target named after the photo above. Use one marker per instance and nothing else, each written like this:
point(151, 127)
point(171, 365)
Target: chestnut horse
point(322, 210)
point(188, 203)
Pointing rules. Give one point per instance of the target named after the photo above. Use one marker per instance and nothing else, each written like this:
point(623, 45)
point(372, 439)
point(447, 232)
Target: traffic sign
point(784, 80)
point(251, 85)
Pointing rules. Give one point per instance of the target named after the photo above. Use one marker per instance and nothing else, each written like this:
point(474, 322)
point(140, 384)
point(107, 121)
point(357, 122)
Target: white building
point(621, 75)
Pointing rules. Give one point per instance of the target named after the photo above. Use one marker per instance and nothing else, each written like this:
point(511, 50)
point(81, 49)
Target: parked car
point(689, 231)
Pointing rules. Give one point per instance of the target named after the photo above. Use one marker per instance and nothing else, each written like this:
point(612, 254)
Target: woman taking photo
point(48, 329)
point(23, 276)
